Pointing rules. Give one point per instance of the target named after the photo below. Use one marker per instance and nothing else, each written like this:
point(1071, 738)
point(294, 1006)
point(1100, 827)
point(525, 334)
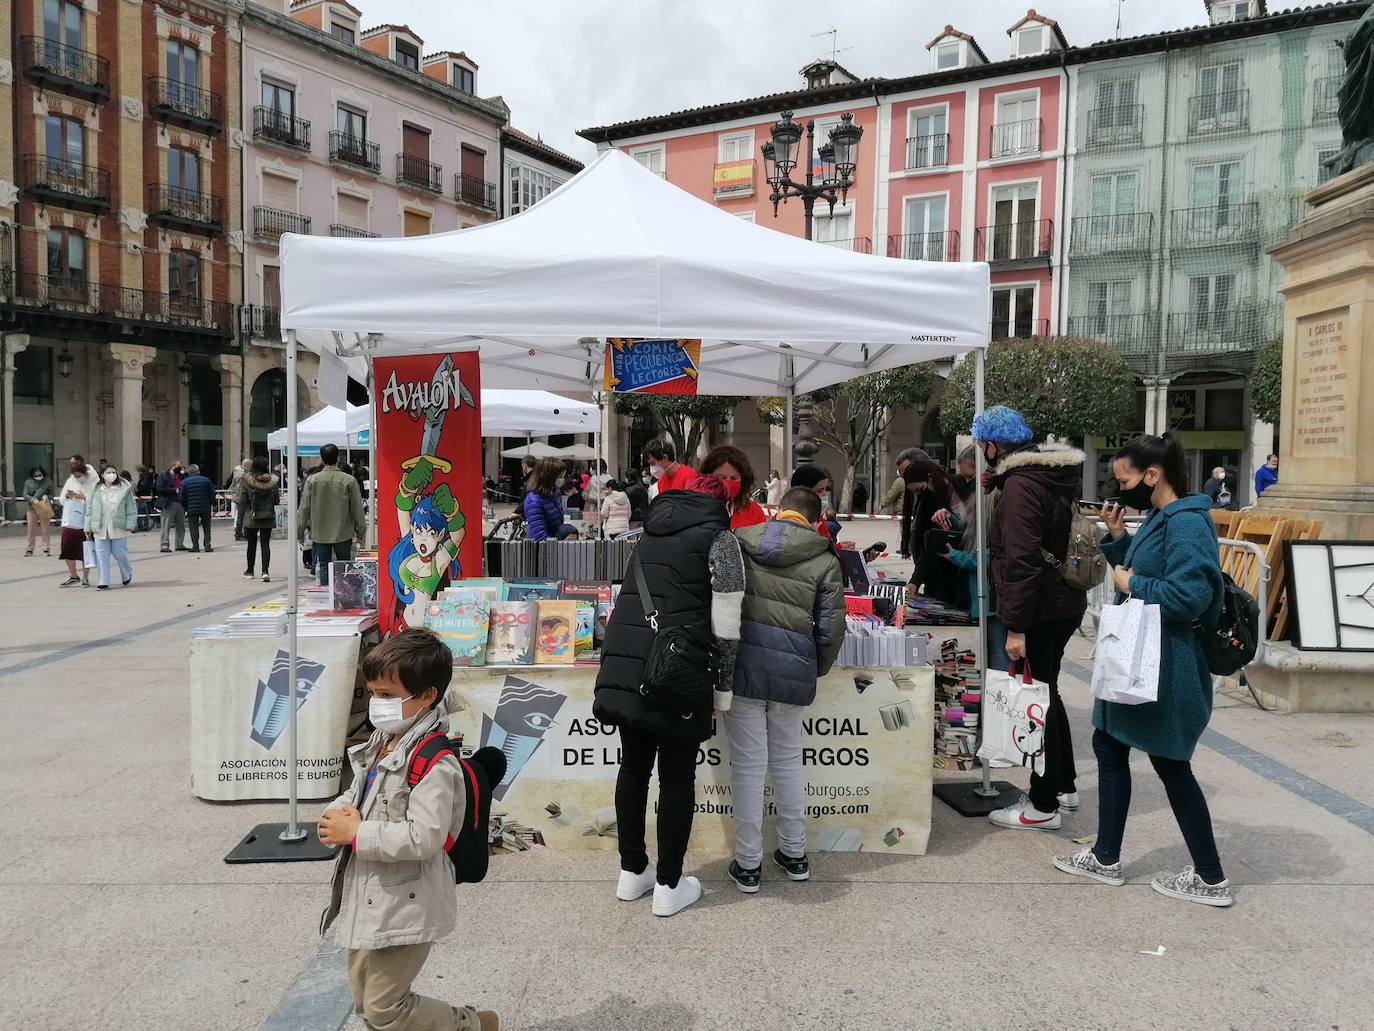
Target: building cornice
point(522, 143)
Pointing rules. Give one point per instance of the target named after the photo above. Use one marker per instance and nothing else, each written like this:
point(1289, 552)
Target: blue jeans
point(326, 553)
point(119, 548)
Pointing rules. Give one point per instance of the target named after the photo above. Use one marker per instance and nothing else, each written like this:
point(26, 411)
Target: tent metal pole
point(292, 831)
point(984, 790)
point(787, 435)
point(371, 453)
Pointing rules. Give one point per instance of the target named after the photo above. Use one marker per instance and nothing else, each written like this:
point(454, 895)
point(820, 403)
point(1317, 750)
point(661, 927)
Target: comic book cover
point(353, 584)
point(510, 635)
point(532, 590)
point(584, 643)
point(555, 637)
point(461, 621)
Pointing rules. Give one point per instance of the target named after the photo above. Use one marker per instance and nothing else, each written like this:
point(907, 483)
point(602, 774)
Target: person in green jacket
point(38, 494)
point(111, 516)
point(1172, 562)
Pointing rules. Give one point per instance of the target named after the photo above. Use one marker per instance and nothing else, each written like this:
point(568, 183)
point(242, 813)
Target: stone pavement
point(117, 910)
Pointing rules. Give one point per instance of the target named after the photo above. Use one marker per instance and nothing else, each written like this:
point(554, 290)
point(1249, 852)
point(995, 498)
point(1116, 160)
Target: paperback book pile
point(929, 612)
point(266, 620)
point(560, 560)
point(870, 642)
point(958, 704)
point(510, 836)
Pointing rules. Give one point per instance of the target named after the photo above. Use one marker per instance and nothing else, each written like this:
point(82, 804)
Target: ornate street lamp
point(64, 363)
point(184, 372)
point(839, 162)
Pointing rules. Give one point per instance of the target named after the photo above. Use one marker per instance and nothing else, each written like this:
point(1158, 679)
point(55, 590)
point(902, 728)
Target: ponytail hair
point(1166, 452)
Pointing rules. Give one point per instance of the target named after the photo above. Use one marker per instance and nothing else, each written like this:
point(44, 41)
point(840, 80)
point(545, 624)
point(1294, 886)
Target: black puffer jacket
point(1038, 486)
point(675, 554)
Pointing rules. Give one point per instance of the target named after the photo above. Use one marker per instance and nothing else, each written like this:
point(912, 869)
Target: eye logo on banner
point(523, 714)
point(429, 450)
point(272, 700)
point(651, 366)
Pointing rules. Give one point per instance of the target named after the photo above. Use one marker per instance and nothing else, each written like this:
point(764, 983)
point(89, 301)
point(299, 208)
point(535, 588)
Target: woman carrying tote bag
point(1172, 562)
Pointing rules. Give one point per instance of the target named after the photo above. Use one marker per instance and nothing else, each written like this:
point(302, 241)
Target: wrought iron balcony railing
point(77, 297)
point(66, 68)
point(280, 128)
point(1116, 125)
point(174, 101)
point(352, 150)
point(940, 246)
point(1018, 329)
point(350, 233)
point(185, 208)
point(1010, 139)
point(1014, 241)
point(1131, 233)
point(469, 189)
point(420, 173)
point(1130, 334)
point(66, 182)
point(1227, 111)
point(269, 223)
point(259, 322)
point(927, 151)
point(1325, 99)
point(858, 244)
point(1216, 225)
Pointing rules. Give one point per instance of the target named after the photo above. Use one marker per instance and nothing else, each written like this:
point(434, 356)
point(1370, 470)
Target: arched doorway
point(205, 420)
point(267, 407)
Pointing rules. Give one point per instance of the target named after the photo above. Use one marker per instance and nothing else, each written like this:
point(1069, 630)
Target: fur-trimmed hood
point(1058, 465)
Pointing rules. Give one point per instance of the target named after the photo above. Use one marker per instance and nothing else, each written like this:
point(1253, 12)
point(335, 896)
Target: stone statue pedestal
point(1326, 442)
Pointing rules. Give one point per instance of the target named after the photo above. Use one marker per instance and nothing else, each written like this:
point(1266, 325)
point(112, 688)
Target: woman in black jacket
point(695, 575)
point(637, 490)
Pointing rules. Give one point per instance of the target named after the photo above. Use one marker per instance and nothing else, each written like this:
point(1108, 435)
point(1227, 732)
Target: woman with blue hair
point(1037, 485)
point(425, 558)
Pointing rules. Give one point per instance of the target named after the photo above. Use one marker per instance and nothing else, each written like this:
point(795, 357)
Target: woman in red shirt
point(731, 465)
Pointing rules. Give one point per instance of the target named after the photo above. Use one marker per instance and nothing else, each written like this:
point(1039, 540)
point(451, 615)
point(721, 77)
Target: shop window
point(33, 378)
point(1225, 409)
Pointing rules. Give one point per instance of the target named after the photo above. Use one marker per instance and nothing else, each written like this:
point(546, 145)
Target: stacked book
point(266, 620)
point(506, 834)
point(560, 560)
point(870, 642)
point(958, 704)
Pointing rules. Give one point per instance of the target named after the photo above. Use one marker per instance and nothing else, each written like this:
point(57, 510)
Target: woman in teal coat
point(1172, 561)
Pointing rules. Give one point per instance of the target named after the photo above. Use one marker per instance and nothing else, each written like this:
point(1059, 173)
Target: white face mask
point(111, 476)
point(656, 471)
point(385, 714)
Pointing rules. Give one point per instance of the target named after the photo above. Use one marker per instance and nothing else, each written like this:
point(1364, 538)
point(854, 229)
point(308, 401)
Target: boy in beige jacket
point(393, 892)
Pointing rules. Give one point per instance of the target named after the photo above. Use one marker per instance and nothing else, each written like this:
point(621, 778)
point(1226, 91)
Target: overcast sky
point(564, 65)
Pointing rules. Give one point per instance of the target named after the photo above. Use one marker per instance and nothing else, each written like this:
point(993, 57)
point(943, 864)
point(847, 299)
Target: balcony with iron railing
point(66, 68)
point(185, 209)
point(174, 101)
point(273, 126)
point(474, 191)
point(347, 149)
point(1018, 329)
point(1118, 125)
point(1016, 139)
point(68, 183)
point(419, 173)
point(1223, 338)
point(930, 151)
point(76, 297)
point(260, 323)
point(1211, 113)
point(1130, 334)
point(1020, 243)
point(352, 233)
point(1217, 225)
point(270, 223)
point(1326, 99)
point(733, 178)
point(1095, 235)
point(939, 246)
point(857, 244)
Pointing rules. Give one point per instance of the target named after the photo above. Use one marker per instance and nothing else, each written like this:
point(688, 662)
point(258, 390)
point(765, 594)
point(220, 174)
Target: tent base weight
point(962, 796)
point(263, 844)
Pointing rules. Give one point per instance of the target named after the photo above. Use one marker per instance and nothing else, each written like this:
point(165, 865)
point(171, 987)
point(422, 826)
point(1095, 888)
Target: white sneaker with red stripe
point(1024, 817)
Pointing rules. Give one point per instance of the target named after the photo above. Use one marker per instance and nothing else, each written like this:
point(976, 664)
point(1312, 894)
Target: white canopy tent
point(619, 251)
point(538, 449)
point(578, 452)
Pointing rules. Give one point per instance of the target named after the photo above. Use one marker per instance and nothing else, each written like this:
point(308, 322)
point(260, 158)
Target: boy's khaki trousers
point(380, 980)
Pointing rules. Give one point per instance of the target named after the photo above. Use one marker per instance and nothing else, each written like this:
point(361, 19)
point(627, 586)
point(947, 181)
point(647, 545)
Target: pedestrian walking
point(173, 512)
point(257, 500)
point(38, 517)
point(695, 578)
point(733, 467)
point(637, 490)
point(393, 892)
point(615, 510)
point(1171, 562)
point(198, 499)
point(76, 494)
point(1033, 517)
point(774, 488)
point(332, 509)
point(111, 516)
point(791, 629)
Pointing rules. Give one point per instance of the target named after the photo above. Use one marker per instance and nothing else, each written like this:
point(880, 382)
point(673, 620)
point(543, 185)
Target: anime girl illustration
point(425, 558)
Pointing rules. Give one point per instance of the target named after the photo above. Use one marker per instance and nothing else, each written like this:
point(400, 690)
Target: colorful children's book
point(353, 584)
point(461, 623)
point(510, 637)
point(555, 638)
point(492, 586)
point(585, 640)
point(532, 590)
point(596, 590)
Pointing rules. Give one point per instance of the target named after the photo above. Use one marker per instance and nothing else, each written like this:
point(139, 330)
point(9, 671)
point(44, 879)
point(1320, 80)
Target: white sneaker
point(1068, 801)
point(635, 885)
point(1024, 817)
point(1189, 887)
point(1085, 864)
point(668, 901)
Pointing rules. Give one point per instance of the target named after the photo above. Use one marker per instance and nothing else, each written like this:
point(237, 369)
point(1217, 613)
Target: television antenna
point(835, 48)
point(1119, 5)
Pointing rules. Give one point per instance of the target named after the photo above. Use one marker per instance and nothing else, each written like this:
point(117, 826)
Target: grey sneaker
point(1085, 864)
point(1189, 887)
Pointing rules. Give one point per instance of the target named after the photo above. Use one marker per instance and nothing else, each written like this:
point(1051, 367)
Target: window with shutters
point(416, 223)
point(414, 141)
point(279, 192)
point(353, 211)
point(271, 286)
point(651, 158)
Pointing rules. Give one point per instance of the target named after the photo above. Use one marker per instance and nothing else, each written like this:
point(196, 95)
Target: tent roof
point(618, 251)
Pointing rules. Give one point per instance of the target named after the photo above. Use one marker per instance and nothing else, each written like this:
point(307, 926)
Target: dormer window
point(342, 29)
point(407, 55)
point(1030, 41)
point(1234, 10)
point(949, 55)
point(464, 79)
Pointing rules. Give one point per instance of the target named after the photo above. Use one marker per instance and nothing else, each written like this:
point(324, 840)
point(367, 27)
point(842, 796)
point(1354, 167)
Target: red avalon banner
point(429, 481)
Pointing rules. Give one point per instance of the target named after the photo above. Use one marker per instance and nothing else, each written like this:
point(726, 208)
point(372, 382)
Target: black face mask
point(1138, 496)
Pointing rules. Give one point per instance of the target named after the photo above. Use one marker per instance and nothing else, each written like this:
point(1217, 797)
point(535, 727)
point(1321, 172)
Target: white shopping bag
point(1126, 659)
point(88, 554)
point(1014, 709)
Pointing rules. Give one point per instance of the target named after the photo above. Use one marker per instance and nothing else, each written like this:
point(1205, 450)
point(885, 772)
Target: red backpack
point(481, 772)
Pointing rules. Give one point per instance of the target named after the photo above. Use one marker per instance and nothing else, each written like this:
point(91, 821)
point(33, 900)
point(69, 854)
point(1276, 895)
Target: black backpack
point(481, 772)
point(1233, 643)
point(680, 671)
point(264, 502)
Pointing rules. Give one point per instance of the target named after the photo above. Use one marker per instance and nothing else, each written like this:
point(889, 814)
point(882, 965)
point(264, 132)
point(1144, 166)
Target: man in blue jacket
point(198, 498)
point(1267, 475)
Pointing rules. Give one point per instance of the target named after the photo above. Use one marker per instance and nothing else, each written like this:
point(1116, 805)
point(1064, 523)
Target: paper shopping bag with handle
point(1014, 709)
point(1126, 659)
